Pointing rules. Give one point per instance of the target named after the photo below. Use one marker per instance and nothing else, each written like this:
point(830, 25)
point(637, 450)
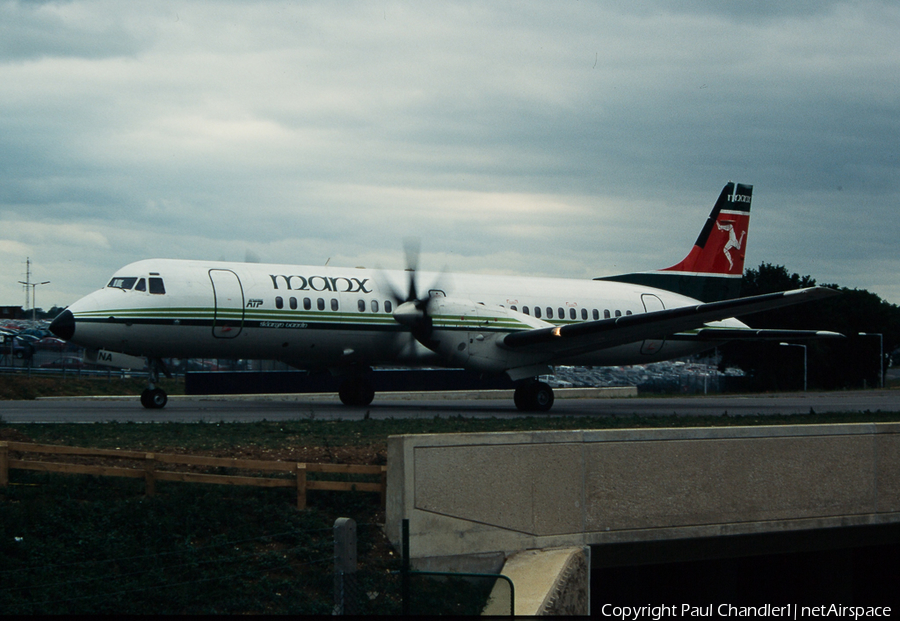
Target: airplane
point(349, 320)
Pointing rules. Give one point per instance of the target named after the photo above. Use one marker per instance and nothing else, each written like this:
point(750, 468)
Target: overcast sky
point(572, 139)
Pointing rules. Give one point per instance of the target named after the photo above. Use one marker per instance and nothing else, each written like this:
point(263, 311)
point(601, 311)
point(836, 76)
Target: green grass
point(89, 545)
point(23, 387)
point(290, 434)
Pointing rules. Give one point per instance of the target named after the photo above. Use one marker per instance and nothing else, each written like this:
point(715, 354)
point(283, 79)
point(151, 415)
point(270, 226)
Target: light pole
point(804, 359)
point(33, 285)
point(880, 355)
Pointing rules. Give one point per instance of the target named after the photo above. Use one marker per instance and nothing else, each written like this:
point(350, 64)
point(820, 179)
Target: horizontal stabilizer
point(753, 334)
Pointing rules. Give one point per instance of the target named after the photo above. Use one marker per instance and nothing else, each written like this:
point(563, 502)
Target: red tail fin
point(713, 268)
point(720, 248)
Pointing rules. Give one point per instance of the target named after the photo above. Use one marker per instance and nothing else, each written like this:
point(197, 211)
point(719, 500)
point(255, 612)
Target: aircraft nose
point(64, 325)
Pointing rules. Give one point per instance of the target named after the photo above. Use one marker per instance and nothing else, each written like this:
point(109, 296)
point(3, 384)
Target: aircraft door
point(652, 303)
point(228, 317)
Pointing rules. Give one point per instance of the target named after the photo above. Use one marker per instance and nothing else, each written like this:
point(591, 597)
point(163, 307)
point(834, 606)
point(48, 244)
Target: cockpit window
point(141, 285)
point(157, 286)
point(122, 283)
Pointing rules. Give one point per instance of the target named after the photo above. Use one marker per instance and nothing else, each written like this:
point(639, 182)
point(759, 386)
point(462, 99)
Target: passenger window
point(513, 308)
point(320, 304)
point(141, 285)
point(388, 307)
point(361, 305)
point(561, 313)
point(279, 302)
point(584, 314)
point(537, 312)
point(525, 310)
point(628, 312)
point(374, 306)
point(334, 304)
point(606, 313)
point(618, 313)
point(596, 314)
point(293, 303)
point(307, 304)
point(157, 286)
point(549, 313)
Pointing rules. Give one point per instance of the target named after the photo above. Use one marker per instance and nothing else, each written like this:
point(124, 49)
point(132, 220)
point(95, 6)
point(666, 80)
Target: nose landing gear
point(153, 397)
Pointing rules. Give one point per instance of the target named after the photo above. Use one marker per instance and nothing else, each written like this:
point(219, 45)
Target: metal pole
point(32, 285)
point(404, 568)
point(345, 564)
point(880, 355)
point(804, 360)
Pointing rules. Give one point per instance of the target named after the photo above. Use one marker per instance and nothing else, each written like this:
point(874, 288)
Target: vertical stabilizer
point(713, 268)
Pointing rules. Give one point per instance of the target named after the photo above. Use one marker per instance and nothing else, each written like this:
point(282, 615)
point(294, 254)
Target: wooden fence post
point(149, 474)
point(4, 464)
point(301, 486)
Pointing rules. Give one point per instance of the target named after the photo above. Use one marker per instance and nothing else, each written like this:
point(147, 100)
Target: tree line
point(833, 364)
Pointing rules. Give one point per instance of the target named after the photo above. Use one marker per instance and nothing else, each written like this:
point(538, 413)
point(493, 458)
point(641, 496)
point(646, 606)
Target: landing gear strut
point(153, 397)
point(533, 396)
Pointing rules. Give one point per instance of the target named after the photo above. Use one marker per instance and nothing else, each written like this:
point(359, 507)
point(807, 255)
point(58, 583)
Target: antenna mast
point(27, 282)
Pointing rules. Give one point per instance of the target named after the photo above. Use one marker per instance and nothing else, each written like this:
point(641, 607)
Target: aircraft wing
point(589, 336)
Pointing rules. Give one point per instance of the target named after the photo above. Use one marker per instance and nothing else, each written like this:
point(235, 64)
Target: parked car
point(52, 343)
point(23, 346)
point(67, 362)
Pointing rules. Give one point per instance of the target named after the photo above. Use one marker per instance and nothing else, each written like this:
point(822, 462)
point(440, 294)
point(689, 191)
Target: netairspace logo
point(788, 611)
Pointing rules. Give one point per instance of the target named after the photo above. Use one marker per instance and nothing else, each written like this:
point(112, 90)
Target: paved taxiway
point(273, 408)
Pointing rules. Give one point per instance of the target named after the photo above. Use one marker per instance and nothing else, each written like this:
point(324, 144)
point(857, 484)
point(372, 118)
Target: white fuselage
point(325, 317)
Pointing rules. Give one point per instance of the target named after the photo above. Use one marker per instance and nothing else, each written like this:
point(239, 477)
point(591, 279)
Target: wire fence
point(83, 544)
point(134, 559)
point(167, 582)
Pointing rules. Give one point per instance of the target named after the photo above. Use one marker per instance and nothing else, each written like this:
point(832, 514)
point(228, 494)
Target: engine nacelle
point(470, 335)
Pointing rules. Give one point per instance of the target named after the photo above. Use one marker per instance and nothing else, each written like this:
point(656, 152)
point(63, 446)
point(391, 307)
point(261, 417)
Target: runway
point(292, 407)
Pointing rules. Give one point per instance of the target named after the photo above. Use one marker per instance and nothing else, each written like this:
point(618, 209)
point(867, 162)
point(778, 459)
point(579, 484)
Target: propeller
point(411, 310)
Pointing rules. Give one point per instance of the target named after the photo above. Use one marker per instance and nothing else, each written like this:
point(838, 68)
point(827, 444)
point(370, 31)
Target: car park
point(67, 362)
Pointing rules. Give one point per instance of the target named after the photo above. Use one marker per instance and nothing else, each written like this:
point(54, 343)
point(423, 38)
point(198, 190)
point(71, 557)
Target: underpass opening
point(851, 565)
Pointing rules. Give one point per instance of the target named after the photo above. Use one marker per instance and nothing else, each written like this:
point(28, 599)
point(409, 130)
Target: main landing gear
point(533, 396)
point(153, 397)
point(356, 390)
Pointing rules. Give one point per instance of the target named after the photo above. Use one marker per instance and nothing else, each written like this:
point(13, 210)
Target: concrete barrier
point(547, 582)
point(490, 495)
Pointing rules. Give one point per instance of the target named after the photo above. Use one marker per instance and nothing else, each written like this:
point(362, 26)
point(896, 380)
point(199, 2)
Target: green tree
point(833, 364)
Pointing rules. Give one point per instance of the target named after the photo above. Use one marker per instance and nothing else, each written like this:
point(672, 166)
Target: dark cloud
point(536, 138)
point(32, 30)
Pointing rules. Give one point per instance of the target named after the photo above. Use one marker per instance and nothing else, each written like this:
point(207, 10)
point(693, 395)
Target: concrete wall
point(497, 493)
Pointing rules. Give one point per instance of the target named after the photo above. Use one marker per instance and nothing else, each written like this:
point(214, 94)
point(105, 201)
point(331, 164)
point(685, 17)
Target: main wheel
point(533, 397)
point(543, 397)
point(356, 391)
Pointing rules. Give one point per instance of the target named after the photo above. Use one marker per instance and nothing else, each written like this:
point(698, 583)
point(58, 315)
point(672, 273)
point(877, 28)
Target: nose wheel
point(154, 397)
